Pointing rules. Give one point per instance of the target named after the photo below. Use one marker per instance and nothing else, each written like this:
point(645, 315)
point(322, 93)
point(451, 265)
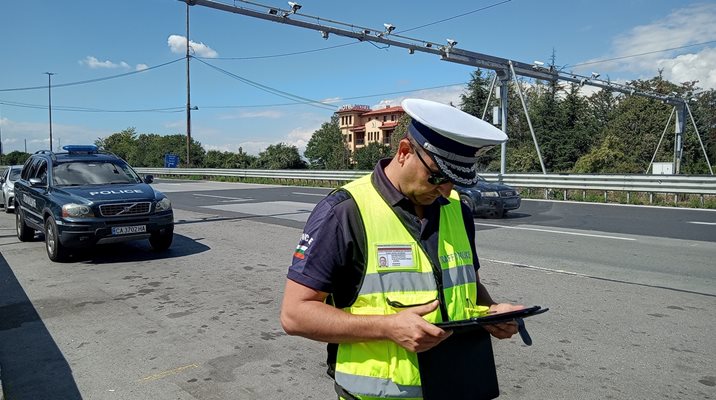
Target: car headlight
point(489, 194)
point(163, 205)
point(77, 211)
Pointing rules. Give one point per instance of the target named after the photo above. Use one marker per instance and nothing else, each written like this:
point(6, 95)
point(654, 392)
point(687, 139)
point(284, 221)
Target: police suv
point(84, 196)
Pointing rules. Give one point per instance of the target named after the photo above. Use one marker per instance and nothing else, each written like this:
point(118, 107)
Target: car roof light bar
point(80, 148)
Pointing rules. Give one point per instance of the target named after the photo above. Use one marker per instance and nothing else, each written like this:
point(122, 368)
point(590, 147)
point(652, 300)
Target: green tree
point(366, 157)
point(473, 102)
point(227, 159)
point(121, 143)
point(176, 144)
point(327, 149)
point(548, 123)
point(401, 130)
point(474, 99)
point(216, 159)
point(607, 158)
point(152, 151)
point(280, 156)
point(576, 142)
point(15, 157)
point(631, 136)
point(703, 108)
point(243, 160)
point(601, 110)
point(148, 150)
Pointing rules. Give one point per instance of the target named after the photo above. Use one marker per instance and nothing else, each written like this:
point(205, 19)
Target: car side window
point(27, 169)
point(41, 172)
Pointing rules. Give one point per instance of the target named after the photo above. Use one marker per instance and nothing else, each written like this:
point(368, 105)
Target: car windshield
point(92, 173)
point(15, 174)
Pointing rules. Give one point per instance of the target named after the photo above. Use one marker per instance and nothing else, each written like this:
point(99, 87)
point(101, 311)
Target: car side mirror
point(35, 182)
point(148, 179)
point(2, 180)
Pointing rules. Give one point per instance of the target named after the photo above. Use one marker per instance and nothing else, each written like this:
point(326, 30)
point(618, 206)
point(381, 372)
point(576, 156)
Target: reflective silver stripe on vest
point(376, 387)
point(413, 281)
point(398, 281)
point(460, 275)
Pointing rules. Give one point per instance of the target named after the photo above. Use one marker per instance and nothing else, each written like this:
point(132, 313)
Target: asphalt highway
point(630, 290)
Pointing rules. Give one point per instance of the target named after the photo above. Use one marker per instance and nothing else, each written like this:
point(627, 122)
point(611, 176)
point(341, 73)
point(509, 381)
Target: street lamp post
point(188, 96)
point(49, 101)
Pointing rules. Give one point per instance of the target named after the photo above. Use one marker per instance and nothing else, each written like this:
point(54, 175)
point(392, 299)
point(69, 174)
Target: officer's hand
point(411, 331)
point(507, 329)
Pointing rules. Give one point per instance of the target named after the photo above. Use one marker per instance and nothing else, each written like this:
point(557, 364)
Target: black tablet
point(492, 318)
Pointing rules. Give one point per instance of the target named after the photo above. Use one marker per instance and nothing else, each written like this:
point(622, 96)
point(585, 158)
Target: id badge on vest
point(397, 257)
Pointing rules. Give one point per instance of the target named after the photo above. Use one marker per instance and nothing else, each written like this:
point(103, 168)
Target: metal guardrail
point(676, 184)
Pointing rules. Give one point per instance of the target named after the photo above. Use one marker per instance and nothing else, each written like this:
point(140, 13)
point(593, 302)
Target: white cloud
point(141, 67)
point(93, 62)
point(687, 26)
point(254, 148)
point(687, 67)
point(222, 147)
point(299, 137)
point(177, 45)
point(332, 100)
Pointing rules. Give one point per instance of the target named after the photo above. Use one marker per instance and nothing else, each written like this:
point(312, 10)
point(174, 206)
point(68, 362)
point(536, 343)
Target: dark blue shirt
point(331, 255)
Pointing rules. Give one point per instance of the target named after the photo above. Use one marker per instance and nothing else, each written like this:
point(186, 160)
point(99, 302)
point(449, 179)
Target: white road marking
point(222, 197)
point(555, 231)
point(292, 210)
point(701, 223)
point(310, 194)
point(558, 271)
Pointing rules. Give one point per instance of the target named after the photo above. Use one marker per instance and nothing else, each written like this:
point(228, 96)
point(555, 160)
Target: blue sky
point(83, 40)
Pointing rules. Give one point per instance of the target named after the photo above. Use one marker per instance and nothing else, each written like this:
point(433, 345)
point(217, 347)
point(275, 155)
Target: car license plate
point(125, 230)
point(511, 202)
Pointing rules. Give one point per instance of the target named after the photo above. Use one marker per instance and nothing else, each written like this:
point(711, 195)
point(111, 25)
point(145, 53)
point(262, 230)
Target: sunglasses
point(435, 178)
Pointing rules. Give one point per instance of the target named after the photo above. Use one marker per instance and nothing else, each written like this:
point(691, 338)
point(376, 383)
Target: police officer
point(387, 255)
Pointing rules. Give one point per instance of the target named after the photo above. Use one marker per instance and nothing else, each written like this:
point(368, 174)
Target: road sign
point(171, 160)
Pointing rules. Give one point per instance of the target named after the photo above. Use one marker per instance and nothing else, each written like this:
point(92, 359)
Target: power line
point(640, 54)
point(87, 109)
point(271, 90)
point(341, 99)
point(93, 80)
point(181, 108)
point(279, 55)
point(455, 17)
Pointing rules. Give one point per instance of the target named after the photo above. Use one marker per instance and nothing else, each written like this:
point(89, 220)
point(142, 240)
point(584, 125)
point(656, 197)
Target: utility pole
point(49, 102)
point(25, 145)
point(188, 90)
point(0, 136)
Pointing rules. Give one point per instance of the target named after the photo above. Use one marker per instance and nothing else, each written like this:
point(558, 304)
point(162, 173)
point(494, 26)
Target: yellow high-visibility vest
point(399, 274)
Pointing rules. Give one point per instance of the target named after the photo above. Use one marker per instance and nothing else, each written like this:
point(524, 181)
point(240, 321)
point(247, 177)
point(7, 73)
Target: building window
point(385, 118)
point(392, 117)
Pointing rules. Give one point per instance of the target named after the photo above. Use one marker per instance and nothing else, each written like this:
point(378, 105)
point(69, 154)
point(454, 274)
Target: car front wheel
point(55, 250)
point(466, 200)
point(162, 241)
point(24, 232)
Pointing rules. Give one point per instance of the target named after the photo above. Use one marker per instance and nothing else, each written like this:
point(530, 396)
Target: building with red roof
point(361, 125)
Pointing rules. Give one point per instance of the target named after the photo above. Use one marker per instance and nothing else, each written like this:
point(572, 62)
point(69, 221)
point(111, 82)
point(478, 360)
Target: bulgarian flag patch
point(300, 251)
